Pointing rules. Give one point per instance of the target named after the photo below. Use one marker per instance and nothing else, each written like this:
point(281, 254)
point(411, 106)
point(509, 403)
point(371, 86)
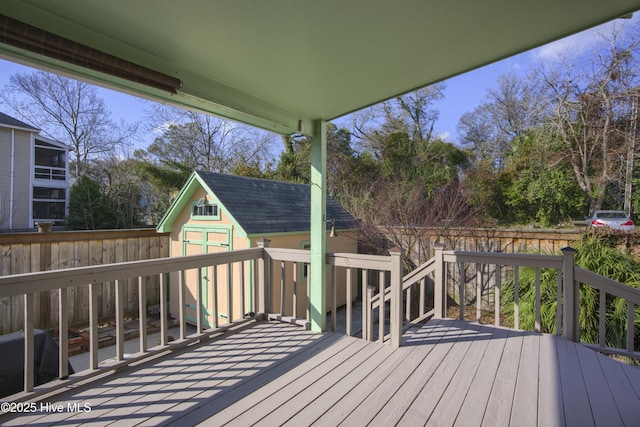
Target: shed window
point(207, 211)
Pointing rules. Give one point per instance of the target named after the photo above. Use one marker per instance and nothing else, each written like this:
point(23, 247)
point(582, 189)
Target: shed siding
point(345, 242)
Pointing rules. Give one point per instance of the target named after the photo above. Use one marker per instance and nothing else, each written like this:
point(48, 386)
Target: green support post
point(318, 273)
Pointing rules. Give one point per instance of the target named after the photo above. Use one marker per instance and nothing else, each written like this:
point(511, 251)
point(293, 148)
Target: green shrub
point(593, 255)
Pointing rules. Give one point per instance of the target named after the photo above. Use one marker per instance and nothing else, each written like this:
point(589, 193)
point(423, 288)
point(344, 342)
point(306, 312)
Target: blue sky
point(463, 93)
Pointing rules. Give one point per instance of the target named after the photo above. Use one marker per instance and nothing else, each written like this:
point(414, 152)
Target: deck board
point(403, 398)
point(449, 384)
point(603, 406)
point(525, 397)
point(448, 372)
point(576, 404)
point(550, 402)
point(447, 409)
point(498, 411)
point(473, 408)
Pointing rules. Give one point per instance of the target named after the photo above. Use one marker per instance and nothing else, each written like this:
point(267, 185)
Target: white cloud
point(575, 44)
point(579, 43)
point(444, 136)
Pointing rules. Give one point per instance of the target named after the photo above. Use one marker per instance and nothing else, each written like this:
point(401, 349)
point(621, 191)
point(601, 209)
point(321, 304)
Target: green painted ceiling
point(275, 63)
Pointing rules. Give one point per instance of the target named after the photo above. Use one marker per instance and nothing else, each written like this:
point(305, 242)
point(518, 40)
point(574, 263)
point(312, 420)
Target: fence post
point(571, 306)
point(262, 276)
point(439, 291)
point(396, 297)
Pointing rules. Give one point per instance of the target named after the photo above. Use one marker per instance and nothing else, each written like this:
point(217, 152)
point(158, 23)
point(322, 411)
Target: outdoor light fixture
point(24, 36)
point(203, 201)
point(332, 223)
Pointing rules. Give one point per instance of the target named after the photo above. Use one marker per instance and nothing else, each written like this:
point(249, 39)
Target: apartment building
point(34, 177)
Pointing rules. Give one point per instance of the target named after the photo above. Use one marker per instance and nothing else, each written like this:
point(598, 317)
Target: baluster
point(63, 334)
point(498, 275)
point(93, 325)
point(229, 294)
point(243, 306)
point(295, 290)
point(461, 286)
point(602, 319)
point(119, 320)
point(478, 293)
point(181, 303)
point(163, 309)
point(349, 301)
point(630, 327)
point(381, 306)
point(423, 294)
point(538, 302)
point(365, 304)
point(142, 314)
point(334, 299)
point(370, 290)
point(214, 295)
point(407, 314)
point(516, 297)
point(199, 300)
point(282, 286)
point(559, 310)
point(28, 343)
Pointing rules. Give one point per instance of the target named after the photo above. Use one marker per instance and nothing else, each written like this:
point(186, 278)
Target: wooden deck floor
point(447, 373)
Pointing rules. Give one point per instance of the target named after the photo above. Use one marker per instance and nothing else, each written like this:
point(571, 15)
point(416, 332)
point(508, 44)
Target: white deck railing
point(26, 285)
point(277, 291)
point(449, 269)
point(273, 292)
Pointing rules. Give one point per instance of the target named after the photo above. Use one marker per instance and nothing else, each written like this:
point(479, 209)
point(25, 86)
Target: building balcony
point(49, 173)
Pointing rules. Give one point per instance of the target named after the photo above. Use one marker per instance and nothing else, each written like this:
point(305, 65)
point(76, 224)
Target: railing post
point(571, 306)
point(396, 297)
point(439, 291)
point(262, 276)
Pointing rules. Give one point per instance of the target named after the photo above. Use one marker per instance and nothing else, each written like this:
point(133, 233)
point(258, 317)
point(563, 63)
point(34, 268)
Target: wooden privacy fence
point(493, 240)
point(32, 252)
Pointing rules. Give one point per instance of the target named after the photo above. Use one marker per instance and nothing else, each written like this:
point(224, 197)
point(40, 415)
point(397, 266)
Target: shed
point(216, 212)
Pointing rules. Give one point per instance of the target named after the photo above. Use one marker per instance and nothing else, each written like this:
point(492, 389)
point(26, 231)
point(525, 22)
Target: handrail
point(502, 258)
point(607, 285)
point(19, 284)
point(419, 273)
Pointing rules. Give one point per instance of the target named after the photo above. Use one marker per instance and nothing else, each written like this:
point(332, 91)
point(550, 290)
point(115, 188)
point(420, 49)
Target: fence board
point(29, 252)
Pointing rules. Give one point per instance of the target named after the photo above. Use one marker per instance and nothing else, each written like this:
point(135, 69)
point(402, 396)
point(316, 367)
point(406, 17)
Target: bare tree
point(412, 113)
point(67, 110)
point(201, 141)
point(401, 213)
point(592, 109)
point(515, 106)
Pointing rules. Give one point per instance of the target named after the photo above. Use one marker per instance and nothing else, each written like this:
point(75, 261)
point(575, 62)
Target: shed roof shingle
point(266, 206)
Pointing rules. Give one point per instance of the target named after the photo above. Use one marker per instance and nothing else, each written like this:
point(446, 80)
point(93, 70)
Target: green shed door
point(198, 240)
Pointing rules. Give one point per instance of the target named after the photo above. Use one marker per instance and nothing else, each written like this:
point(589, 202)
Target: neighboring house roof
point(9, 121)
point(258, 206)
